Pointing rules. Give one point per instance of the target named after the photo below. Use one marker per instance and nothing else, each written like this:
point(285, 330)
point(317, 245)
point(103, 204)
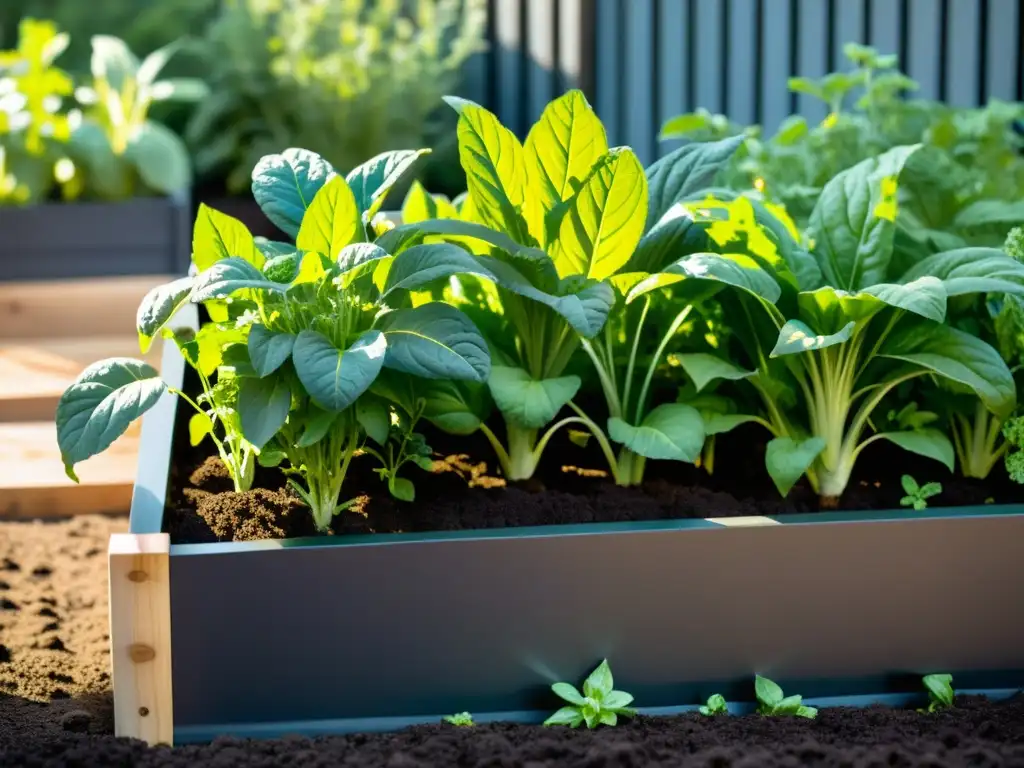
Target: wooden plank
point(923, 46)
point(776, 44)
point(608, 88)
point(140, 636)
point(847, 27)
point(33, 483)
point(963, 57)
point(674, 97)
point(35, 372)
point(639, 130)
point(1002, 49)
point(508, 56)
point(75, 308)
point(885, 26)
point(708, 17)
point(812, 59)
point(743, 65)
point(540, 42)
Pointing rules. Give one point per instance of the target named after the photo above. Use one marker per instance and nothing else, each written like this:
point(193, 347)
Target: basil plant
point(316, 336)
point(852, 324)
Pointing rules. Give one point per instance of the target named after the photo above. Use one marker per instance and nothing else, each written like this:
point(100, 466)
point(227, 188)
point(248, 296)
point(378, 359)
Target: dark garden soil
point(465, 491)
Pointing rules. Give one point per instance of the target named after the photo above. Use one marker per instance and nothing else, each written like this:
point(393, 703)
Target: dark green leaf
point(335, 378)
point(158, 307)
point(373, 416)
point(434, 341)
point(284, 186)
point(422, 264)
point(672, 431)
point(527, 402)
point(685, 172)
point(227, 276)
point(787, 460)
point(371, 181)
point(268, 350)
point(263, 406)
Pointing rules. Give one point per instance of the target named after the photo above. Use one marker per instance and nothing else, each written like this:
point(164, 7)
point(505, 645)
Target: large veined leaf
point(957, 356)
point(703, 368)
point(829, 311)
point(930, 443)
point(672, 431)
point(158, 307)
point(605, 219)
point(228, 276)
point(563, 146)
point(495, 167)
point(104, 400)
point(334, 378)
point(925, 296)
point(284, 186)
point(796, 336)
point(217, 236)
point(331, 221)
point(263, 406)
point(586, 309)
point(353, 258)
point(734, 270)
point(676, 234)
point(971, 270)
point(420, 205)
point(787, 459)
point(423, 264)
point(988, 213)
point(527, 402)
point(685, 172)
point(854, 221)
point(268, 350)
point(409, 235)
point(457, 407)
point(371, 181)
point(434, 341)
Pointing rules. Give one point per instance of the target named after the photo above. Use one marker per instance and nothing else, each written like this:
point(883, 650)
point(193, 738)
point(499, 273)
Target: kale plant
point(599, 704)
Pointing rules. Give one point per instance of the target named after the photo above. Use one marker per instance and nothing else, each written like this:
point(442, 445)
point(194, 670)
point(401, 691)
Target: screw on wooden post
point(140, 636)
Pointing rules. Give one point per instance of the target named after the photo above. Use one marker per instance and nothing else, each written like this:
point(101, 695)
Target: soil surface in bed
point(466, 491)
point(56, 708)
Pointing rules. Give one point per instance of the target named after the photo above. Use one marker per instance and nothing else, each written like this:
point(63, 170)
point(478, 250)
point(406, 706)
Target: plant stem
point(673, 327)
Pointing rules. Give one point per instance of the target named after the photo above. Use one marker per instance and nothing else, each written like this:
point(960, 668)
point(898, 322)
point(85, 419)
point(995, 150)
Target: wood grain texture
point(140, 636)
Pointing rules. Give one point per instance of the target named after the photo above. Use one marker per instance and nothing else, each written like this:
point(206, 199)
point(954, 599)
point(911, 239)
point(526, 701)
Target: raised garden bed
point(144, 236)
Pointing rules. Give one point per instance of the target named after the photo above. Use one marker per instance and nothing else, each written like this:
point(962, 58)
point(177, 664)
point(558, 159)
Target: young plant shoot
point(860, 327)
point(716, 706)
point(546, 222)
point(917, 495)
point(940, 691)
point(771, 701)
point(315, 325)
point(599, 704)
point(460, 719)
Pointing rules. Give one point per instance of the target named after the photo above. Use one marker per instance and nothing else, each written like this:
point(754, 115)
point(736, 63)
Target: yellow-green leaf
point(605, 219)
point(564, 145)
point(332, 220)
point(495, 166)
point(218, 236)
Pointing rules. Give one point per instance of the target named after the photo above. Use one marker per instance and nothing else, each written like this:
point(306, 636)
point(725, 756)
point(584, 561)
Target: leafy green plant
point(598, 704)
point(347, 79)
point(771, 700)
point(122, 151)
point(716, 706)
point(34, 125)
point(917, 495)
point(328, 326)
point(854, 324)
point(461, 719)
point(940, 691)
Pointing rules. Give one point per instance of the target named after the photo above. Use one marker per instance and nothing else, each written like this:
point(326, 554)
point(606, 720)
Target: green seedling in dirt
point(461, 719)
point(771, 700)
point(918, 495)
point(599, 704)
point(940, 691)
point(715, 706)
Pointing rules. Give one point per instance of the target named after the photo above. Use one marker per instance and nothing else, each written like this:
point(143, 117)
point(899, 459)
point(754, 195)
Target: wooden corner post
point(140, 636)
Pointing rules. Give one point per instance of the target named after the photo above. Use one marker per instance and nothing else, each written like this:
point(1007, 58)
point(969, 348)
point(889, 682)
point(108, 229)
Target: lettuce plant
point(598, 704)
point(546, 223)
point(857, 325)
point(325, 324)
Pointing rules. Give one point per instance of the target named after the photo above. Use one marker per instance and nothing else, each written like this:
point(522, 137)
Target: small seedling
point(715, 706)
point(940, 691)
point(918, 495)
point(771, 701)
point(463, 719)
point(599, 704)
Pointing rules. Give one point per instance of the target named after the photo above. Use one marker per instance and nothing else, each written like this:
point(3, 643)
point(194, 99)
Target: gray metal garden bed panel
point(68, 240)
point(360, 632)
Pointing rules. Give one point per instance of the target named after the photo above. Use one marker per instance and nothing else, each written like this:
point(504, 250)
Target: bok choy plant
point(319, 323)
point(545, 224)
point(825, 358)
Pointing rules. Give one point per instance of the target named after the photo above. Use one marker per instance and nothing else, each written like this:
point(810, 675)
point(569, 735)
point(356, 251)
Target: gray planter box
point(336, 634)
point(69, 240)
